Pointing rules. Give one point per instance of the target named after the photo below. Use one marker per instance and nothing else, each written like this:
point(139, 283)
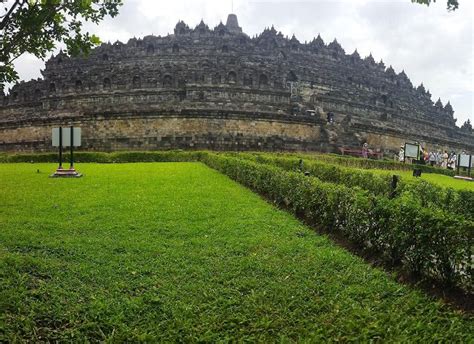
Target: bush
point(433, 196)
point(374, 164)
point(428, 194)
point(427, 242)
point(43, 157)
point(351, 177)
point(101, 157)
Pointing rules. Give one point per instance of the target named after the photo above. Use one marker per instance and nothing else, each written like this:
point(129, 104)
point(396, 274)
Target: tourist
point(422, 154)
point(445, 157)
point(452, 160)
point(439, 158)
point(365, 150)
point(432, 158)
point(401, 154)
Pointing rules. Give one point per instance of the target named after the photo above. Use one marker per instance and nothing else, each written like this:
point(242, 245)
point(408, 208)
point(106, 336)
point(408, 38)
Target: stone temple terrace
point(204, 88)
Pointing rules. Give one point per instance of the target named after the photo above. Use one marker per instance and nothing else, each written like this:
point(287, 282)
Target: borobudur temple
point(220, 89)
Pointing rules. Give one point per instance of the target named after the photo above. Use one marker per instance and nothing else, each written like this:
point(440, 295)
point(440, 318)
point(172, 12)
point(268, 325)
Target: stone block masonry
point(220, 89)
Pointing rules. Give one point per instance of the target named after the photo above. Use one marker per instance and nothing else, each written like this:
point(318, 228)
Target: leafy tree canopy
point(36, 26)
point(452, 4)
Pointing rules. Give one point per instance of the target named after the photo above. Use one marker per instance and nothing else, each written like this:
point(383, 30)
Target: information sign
point(412, 150)
point(66, 137)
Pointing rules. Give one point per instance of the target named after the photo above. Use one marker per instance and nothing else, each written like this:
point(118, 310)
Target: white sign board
point(66, 137)
point(411, 150)
point(463, 160)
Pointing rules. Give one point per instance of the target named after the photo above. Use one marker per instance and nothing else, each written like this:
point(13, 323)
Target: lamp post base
point(66, 173)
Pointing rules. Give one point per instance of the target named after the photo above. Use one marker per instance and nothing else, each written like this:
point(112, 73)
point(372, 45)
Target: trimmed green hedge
point(429, 195)
point(101, 157)
point(434, 196)
point(427, 242)
point(351, 177)
point(374, 164)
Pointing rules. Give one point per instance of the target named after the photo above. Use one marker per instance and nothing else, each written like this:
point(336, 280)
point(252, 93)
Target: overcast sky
point(432, 45)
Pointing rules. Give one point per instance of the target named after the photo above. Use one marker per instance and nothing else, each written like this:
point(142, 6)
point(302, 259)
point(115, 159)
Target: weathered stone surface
point(153, 132)
point(220, 89)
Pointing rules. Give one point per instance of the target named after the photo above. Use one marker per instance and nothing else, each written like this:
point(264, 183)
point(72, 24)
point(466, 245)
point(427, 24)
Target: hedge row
point(158, 155)
point(375, 164)
point(351, 177)
point(101, 157)
point(429, 195)
point(434, 196)
point(428, 243)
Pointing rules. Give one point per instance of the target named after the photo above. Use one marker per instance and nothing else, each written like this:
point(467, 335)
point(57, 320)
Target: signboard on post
point(465, 161)
point(66, 137)
point(412, 150)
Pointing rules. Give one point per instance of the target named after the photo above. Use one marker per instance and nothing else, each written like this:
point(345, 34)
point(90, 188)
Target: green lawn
point(434, 178)
point(178, 252)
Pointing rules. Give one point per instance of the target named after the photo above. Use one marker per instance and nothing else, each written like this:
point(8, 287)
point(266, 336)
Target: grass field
point(178, 252)
point(434, 178)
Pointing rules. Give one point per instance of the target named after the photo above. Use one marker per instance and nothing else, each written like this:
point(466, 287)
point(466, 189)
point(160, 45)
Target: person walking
point(452, 160)
point(365, 150)
point(401, 154)
point(426, 155)
point(444, 161)
point(432, 158)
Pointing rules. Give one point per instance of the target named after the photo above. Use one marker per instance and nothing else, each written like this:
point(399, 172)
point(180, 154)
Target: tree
point(452, 4)
point(36, 26)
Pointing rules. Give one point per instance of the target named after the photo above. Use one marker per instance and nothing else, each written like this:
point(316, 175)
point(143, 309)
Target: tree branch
point(47, 15)
point(6, 17)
